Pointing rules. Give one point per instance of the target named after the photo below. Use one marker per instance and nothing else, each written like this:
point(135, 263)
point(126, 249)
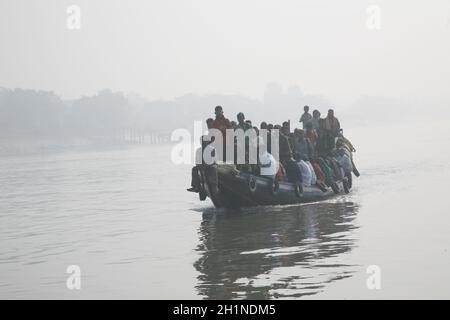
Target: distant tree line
point(42, 113)
point(34, 114)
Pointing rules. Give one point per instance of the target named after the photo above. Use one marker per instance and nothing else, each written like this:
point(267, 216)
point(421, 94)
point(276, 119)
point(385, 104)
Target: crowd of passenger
point(318, 154)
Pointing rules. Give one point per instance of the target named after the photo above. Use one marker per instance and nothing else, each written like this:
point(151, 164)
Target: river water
point(122, 215)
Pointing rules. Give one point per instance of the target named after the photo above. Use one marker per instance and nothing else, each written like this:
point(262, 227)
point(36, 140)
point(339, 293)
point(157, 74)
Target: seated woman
point(313, 174)
point(329, 178)
point(346, 163)
point(336, 167)
point(281, 172)
point(320, 176)
point(294, 174)
point(267, 165)
point(304, 169)
point(346, 145)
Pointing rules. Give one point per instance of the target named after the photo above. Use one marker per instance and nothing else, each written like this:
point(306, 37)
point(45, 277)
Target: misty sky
point(166, 48)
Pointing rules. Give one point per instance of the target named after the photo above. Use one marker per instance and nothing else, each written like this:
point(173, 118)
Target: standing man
point(306, 117)
point(242, 124)
point(315, 121)
point(332, 126)
point(285, 149)
point(221, 123)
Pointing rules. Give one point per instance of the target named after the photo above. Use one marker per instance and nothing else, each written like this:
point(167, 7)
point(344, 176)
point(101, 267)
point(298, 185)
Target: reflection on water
point(274, 252)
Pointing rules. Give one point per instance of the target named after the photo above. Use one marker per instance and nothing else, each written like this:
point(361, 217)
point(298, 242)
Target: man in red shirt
point(221, 123)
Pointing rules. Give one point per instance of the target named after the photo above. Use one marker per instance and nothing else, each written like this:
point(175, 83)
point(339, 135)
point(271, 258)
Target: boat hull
point(230, 190)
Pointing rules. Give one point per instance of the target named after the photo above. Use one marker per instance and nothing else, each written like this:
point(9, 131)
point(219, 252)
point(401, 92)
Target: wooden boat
point(229, 188)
